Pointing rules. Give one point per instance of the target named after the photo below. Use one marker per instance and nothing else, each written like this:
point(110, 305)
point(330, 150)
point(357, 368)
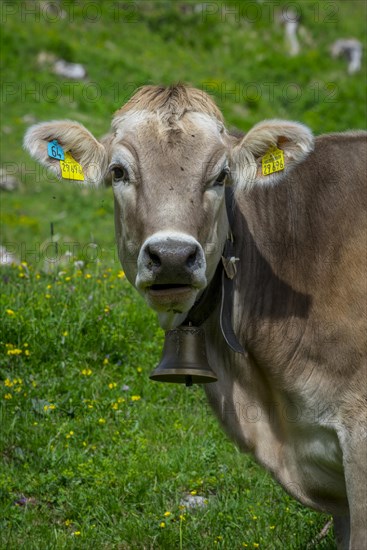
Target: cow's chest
point(291, 438)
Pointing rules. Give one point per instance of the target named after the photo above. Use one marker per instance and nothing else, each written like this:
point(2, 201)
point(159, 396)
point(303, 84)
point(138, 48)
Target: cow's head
point(170, 157)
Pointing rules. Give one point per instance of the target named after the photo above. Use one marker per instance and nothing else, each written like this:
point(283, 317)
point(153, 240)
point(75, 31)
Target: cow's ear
point(75, 143)
point(268, 151)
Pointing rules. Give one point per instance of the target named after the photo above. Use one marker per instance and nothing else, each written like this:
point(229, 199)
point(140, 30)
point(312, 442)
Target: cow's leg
point(342, 531)
point(355, 467)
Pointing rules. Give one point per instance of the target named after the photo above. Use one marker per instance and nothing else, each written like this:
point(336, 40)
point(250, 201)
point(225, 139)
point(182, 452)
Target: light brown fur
point(172, 101)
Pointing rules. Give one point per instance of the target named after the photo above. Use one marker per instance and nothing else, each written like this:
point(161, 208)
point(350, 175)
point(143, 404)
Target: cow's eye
point(220, 180)
point(119, 173)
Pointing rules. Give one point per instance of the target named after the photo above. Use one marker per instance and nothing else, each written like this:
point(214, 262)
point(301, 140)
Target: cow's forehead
point(193, 130)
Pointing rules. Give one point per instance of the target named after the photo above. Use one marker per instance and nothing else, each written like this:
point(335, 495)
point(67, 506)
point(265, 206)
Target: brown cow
point(297, 400)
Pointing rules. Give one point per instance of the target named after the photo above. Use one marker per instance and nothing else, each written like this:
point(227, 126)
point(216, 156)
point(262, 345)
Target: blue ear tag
point(55, 150)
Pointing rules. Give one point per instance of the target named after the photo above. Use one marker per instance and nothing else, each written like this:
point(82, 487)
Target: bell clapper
point(188, 381)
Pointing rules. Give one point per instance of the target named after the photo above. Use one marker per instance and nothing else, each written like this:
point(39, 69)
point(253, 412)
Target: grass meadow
point(92, 453)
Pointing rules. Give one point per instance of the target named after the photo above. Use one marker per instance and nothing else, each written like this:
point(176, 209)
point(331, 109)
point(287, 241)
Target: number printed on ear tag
point(273, 161)
point(71, 169)
point(55, 151)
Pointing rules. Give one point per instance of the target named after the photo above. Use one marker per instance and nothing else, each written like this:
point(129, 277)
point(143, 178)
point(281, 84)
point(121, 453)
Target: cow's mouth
point(170, 297)
point(165, 290)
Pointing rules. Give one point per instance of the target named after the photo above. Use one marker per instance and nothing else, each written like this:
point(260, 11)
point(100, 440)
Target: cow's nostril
point(191, 259)
point(154, 259)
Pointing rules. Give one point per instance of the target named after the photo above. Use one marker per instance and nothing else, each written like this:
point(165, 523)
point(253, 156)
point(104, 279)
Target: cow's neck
point(271, 303)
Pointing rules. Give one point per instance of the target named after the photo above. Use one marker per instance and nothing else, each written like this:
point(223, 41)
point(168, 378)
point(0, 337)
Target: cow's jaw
point(170, 320)
point(171, 273)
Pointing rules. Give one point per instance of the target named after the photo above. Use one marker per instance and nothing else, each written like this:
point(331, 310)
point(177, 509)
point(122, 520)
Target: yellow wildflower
point(14, 351)
point(102, 421)
point(135, 397)
point(8, 383)
point(112, 385)
point(8, 396)
point(10, 312)
point(88, 276)
point(105, 361)
point(86, 372)
point(167, 514)
point(76, 533)
point(162, 524)
point(121, 274)
point(139, 369)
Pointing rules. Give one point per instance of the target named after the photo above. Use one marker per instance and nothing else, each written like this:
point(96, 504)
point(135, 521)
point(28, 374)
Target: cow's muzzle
point(171, 271)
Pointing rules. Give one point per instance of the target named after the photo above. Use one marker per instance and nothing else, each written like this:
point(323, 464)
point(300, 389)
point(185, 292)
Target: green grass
point(84, 462)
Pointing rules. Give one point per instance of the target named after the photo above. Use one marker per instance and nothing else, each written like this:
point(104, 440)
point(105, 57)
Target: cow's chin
point(170, 301)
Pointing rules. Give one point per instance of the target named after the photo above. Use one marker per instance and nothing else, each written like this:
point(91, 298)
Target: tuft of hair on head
point(171, 102)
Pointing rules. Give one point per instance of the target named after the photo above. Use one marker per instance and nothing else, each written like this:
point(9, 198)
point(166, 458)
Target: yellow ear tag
point(273, 161)
point(71, 169)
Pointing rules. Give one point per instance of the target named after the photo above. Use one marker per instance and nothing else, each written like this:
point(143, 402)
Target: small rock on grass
point(7, 258)
point(7, 181)
point(76, 71)
point(193, 501)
